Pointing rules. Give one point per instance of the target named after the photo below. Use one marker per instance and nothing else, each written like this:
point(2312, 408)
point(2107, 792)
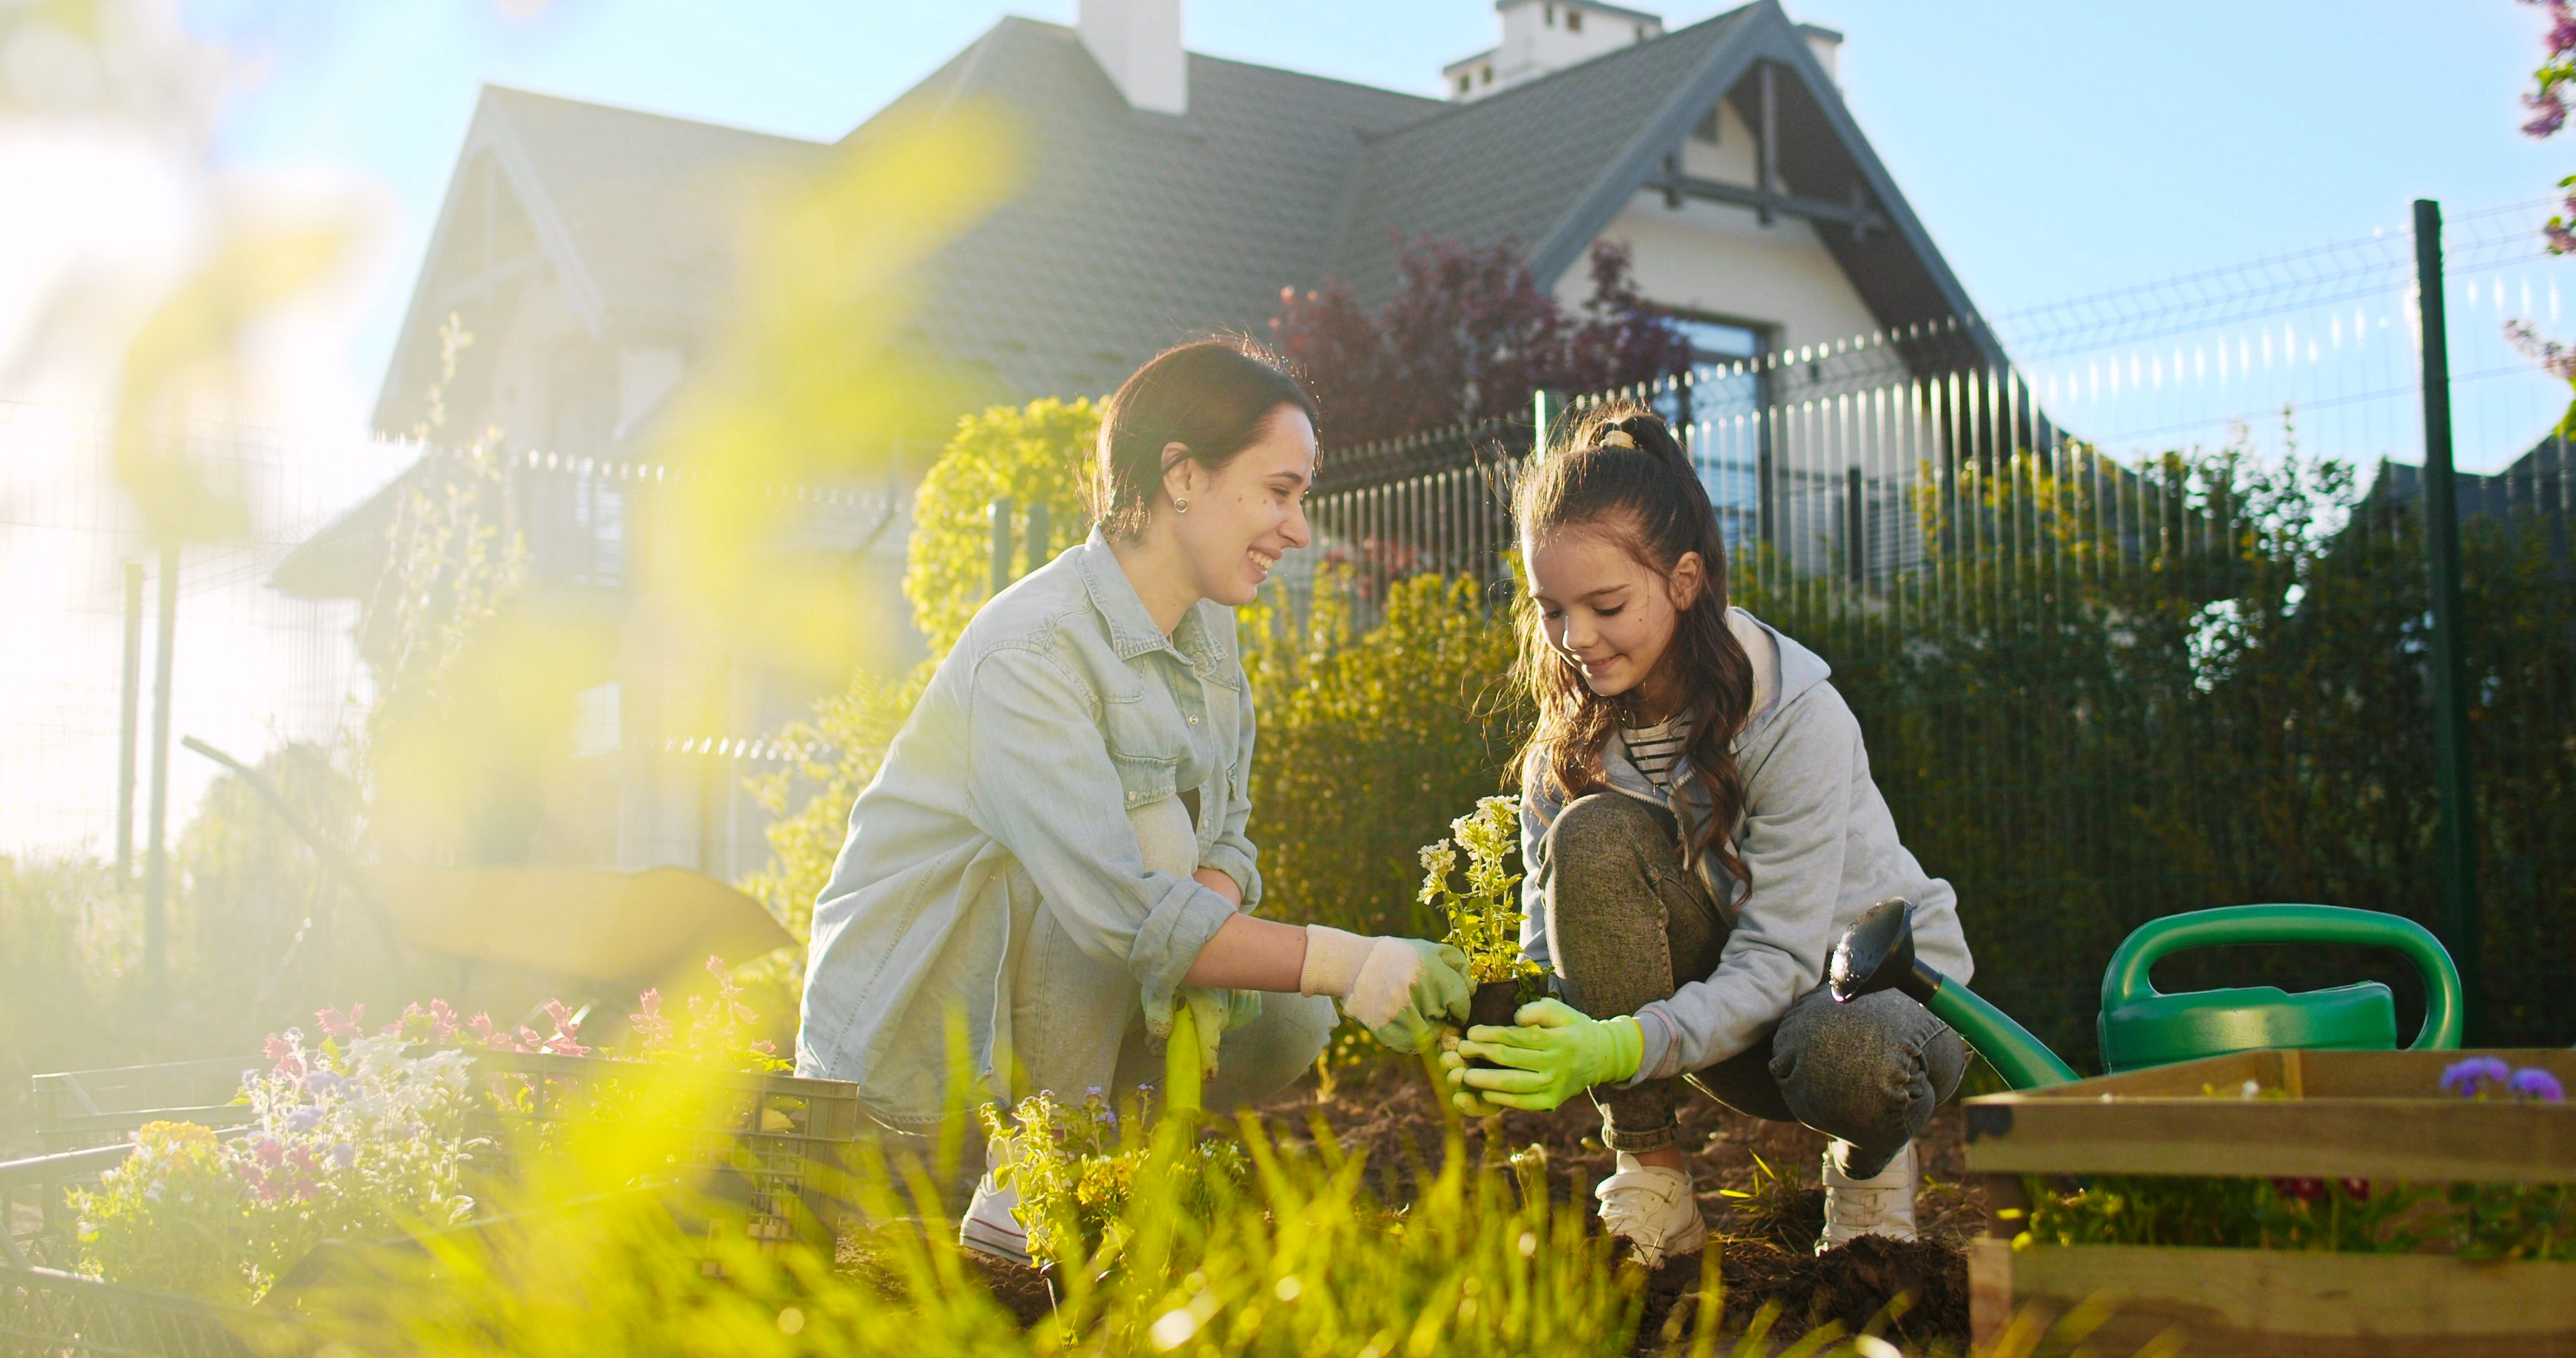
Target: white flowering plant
point(1485, 919)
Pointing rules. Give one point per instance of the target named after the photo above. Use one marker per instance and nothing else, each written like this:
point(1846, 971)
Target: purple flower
point(302, 1120)
point(2475, 1076)
point(2549, 115)
point(2531, 1082)
point(344, 1155)
point(324, 1082)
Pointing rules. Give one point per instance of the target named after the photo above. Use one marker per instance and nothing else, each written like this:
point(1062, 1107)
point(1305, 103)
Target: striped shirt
point(1653, 749)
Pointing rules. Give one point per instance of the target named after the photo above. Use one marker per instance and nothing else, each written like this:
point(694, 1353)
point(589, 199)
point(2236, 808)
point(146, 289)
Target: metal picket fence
point(2130, 595)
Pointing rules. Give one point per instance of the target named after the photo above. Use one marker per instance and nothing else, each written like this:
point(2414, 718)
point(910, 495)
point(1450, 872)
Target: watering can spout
point(1877, 953)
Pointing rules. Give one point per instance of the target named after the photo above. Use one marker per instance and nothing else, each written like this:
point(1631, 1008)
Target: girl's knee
point(1603, 826)
point(1871, 1071)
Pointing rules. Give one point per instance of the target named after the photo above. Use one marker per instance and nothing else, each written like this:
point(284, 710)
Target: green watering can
point(2140, 1027)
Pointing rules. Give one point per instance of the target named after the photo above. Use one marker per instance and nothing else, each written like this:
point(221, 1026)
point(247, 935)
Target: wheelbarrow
point(2141, 1027)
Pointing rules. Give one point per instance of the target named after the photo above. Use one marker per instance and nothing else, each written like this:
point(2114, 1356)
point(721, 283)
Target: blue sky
point(2052, 148)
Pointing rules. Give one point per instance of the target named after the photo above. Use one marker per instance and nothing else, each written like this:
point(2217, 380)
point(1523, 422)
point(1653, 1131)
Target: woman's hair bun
point(1645, 431)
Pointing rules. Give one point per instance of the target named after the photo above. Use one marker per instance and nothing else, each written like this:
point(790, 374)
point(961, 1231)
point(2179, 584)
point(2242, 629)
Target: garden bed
point(1767, 1237)
point(2298, 1135)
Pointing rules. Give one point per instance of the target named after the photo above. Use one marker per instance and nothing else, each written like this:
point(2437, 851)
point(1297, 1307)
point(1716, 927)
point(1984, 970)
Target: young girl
point(1053, 854)
point(1698, 826)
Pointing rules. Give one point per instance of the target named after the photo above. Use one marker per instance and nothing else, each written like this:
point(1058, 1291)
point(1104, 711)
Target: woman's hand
point(1552, 1054)
point(1397, 987)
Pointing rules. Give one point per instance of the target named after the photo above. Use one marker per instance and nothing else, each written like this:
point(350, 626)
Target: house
point(588, 249)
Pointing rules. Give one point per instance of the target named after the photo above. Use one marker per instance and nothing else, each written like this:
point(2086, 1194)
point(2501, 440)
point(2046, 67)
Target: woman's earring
point(1180, 506)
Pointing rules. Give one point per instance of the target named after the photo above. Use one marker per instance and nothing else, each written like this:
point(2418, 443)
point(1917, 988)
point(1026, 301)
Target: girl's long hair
point(1647, 498)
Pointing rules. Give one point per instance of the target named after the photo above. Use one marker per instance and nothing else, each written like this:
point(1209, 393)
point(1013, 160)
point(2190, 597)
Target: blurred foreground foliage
point(1292, 1256)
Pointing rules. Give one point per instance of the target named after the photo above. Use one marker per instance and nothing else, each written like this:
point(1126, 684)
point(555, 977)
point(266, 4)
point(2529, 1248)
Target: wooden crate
point(2371, 1115)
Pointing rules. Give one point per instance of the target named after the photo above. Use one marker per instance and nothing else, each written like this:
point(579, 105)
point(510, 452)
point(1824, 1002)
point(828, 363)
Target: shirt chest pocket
point(1147, 759)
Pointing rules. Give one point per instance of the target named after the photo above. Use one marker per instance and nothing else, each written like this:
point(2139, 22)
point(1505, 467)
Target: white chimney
point(1138, 42)
point(1827, 44)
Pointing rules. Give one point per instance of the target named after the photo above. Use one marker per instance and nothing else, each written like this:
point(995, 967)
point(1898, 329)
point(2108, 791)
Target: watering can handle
point(2239, 925)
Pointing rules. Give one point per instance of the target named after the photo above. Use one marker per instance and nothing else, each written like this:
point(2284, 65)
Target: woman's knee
point(1268, 1054)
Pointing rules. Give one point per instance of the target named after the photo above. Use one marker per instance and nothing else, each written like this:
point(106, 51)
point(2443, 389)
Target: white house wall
point(1720, 261)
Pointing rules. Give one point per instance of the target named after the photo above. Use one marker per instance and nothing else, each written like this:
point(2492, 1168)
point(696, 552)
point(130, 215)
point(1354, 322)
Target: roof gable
point(635, 213)
point(1548, 164)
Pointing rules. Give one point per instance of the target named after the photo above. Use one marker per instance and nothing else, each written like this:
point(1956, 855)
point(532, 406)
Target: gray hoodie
point(1816, 838)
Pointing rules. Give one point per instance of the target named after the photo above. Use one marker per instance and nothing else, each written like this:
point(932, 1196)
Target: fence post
point(1000, 513)
point(1541, 408)
point(128, 719)
point(2454, 793)
point(156, 850)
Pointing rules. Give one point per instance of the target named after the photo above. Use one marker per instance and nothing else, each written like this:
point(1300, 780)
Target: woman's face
point(1244, 515)
point(1602, 609)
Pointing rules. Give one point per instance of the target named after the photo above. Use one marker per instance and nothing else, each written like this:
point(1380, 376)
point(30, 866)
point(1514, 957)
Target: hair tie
point(1617, 438)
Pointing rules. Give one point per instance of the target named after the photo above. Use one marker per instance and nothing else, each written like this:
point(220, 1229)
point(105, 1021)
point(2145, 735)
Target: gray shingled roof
point(1129, 230)
point(1513, 166)
point(1132, 230)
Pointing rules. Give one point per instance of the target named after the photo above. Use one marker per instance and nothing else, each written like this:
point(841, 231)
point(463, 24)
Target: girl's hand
point(1453, 1072)
point(1552, 1054)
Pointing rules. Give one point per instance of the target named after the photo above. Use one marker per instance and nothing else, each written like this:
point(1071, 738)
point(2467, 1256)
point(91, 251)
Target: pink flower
point(268, 1152)
point(288, 1056)
point(650, 1025)
point(336, 1024)
point(442, 1021)
point(481, 1026)
point(765, 1047)
point(2304, 1190)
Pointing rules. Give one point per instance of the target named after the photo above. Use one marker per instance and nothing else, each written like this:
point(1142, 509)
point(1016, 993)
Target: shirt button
point(1194, 721)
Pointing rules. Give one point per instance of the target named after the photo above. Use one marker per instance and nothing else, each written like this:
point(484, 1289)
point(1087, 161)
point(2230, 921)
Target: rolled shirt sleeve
point(1077, 847)
point(1233, 853)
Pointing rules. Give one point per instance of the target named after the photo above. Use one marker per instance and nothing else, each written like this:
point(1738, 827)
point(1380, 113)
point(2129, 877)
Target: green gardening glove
point(1452, 1066)
point(1551, 1055)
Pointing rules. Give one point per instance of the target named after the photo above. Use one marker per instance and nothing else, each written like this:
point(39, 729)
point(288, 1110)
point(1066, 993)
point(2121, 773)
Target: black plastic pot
point(1492, 1003)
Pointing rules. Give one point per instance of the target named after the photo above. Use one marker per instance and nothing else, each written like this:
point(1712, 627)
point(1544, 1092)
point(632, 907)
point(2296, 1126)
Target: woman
point(1698, 826)
point(1053, 851)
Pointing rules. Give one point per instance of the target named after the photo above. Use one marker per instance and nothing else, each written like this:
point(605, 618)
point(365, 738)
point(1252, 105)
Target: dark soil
point(1022, 1290)
point(1767, 1239)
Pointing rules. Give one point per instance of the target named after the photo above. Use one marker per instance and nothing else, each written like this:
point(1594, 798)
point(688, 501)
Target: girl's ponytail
point(1622, 471)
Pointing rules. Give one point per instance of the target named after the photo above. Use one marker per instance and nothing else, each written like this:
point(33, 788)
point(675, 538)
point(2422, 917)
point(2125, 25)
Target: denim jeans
point(1630, 923)
point(1078, 1024)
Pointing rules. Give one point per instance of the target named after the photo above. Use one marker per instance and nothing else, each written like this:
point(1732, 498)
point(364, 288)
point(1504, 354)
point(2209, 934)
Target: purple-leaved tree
point(1468, 336)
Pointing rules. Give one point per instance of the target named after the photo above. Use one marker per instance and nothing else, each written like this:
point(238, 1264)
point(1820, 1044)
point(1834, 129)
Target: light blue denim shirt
point(1061, 709)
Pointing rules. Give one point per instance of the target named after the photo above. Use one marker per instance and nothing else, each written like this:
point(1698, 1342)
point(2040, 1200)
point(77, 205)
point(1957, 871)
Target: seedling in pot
point(1485, 919)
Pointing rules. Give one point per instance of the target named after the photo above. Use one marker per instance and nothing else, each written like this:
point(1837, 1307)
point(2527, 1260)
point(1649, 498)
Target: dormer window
point(1551, 15)
point(1465, 84)
point(1487, 75)
point(1573, 20)
point(1641, 32)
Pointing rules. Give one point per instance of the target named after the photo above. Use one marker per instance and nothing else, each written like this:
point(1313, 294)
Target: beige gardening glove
point(1171, 845)
point(1399, 988)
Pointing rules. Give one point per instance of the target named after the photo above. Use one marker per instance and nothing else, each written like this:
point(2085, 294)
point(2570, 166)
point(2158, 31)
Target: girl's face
point(1244, 515)
point(1606, 612)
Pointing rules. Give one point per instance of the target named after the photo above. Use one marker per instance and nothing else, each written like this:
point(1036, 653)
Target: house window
point(1487, 76)
point(1574, 21)
point(1551, 16)
point(1465, 84)
point(1641, 32)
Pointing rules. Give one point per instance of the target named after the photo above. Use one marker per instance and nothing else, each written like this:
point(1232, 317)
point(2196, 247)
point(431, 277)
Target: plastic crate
point(47, 1314)
point(77, 1109)
point(779, 1145)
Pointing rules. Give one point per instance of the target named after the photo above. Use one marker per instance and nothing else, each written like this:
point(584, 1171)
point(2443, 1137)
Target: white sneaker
point(992, 1223)
point(1653, 1209)
point(1882, 1204)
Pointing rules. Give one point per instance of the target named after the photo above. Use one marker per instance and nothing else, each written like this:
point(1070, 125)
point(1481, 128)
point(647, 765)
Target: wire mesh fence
point(2128, 593)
